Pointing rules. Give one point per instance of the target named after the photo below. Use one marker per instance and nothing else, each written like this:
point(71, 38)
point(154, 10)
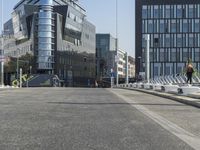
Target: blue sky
point(102, 13)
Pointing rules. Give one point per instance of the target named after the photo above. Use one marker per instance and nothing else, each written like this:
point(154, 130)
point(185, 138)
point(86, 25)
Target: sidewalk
point(193, 100)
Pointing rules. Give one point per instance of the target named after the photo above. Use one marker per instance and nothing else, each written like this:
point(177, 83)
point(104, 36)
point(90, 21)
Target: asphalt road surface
point(95, 119)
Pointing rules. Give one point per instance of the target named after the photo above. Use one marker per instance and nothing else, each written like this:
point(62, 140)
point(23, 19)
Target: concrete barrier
point(171, 88)
point(148, 86)
point(185, 90)
point(157, 87)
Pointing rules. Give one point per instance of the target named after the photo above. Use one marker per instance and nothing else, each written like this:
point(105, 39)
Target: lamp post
point(2, 57)
point(2, 63)
point(17, 63)
point(139, 66)
point(117, 75)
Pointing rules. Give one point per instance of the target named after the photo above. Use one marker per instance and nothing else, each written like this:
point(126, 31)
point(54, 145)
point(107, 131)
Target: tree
point(24, 62)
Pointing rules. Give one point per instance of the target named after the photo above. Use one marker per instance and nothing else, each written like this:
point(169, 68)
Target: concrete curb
point(178, 98)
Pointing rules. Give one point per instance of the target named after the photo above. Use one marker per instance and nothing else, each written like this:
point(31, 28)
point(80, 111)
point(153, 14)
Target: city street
point(95, 119)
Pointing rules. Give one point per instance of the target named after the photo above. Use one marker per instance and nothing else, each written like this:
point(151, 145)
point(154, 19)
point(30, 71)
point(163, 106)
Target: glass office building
point(174, 28)
point(58, 35)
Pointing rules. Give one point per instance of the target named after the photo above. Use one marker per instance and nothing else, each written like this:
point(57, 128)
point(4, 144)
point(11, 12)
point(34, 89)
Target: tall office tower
point(174, 29)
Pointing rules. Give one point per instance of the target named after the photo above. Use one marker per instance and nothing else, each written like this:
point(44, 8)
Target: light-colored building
point(131, 67)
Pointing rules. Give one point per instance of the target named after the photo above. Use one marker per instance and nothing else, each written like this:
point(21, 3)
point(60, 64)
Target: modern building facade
point(58, 35)
point(106, 58)
point(174, 29)
point(105, 55)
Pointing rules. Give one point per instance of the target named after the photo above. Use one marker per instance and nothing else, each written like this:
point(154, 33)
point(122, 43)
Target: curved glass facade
point(45, 36)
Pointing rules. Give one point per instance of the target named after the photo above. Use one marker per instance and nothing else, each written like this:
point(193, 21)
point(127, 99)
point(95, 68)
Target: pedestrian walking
point(96, 84)
point(189, 72)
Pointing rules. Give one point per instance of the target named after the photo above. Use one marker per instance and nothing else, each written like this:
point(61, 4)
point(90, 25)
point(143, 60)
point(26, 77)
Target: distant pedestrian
point(189, 72)
point(96, 84)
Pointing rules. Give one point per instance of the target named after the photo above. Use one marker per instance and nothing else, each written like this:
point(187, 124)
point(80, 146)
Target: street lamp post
point(18, 63)
point(117, 75)
point(2, 57)
point(2, 63)
point(139, 66)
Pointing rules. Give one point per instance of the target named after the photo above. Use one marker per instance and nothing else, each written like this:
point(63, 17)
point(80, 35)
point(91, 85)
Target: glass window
point(45, 65)
point(155, 58)
point(161, 40)
point(162, 26)
point(196, 25)
point(184, 40)
point(197, 54)
point(144, 12)
point(155, 26)
point(190, 26)
point(167, 26)
point(174, 11)
point(171, 40)
point(103, 41)
point(161, 11)
point(185, 54)
point(167, 11)
point(198, 11)
point(167, 40)
point(149, 11)
point(150, 26)
point(151, 55)
point(44, 34)
point(162, 55)
point(179, 11)
point(198, 40)
point(173, 26)
point(173, 54)
point(45, 14)
point(44, 53)
point(195, 40)
point(178, 26)
point(44, 46)
point(156, 11)
point(185, 25)
point(156, 71)
point(45, 21)
point(45, 40)
point(191, 11)
point(143, 26)
point(191, 40)
point(44, 27)
point(143, 41)
point(179, 40)
point(156, 40)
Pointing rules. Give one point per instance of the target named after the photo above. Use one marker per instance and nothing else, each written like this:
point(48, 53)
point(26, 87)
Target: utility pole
point(2, 47)
point(117, 75)
point(127, 81)
point(147, 62)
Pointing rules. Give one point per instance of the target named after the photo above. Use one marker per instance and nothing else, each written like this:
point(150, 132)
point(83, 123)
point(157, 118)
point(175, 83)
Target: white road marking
point(187, 137)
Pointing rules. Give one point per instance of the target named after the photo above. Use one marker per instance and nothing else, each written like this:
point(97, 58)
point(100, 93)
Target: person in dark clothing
point(189, 73)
